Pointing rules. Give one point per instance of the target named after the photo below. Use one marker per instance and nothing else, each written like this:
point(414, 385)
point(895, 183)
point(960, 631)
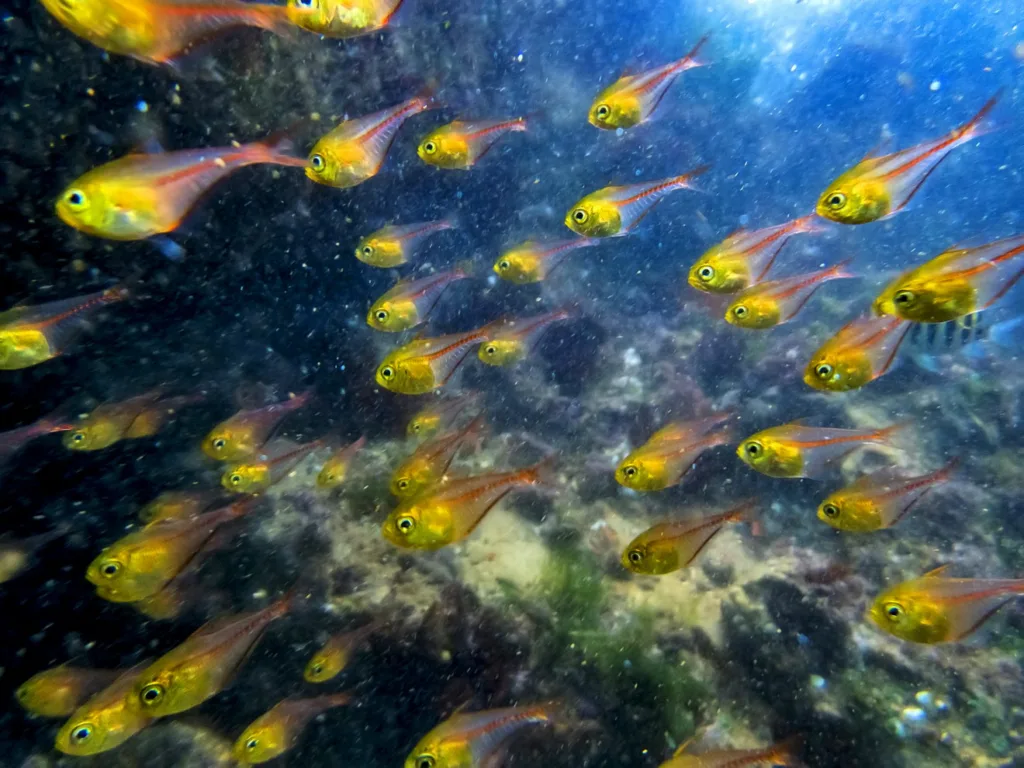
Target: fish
point(633, 99)
point(354, 151)
point(409, 302)
point(669, 546)
point(862, 351)
point(774, 302)
point(616, 211)
point(142, 563)
point(783, 753)
point(879, 500)
point(513, 340)
point(144, 195)
point(441, 415)
point(278, 730)
point(745, 257)
point(667, 456)
point(394, 245)
point(335, 469)
point(475, 739)
point(957, 282)
point(426, 364)
point(179, 505)
point(937, 609)
point(16, 554)
point(159, 32)
point(205, 663)
point(796, 450)
point(329, 662)
point(59, 691)
point(242, 436)
point(132, 419)
point(342, 18)
point(451, 511)
point(460, 144)
point(30, 335)
point(969, 336)
point(880, 186)
point(13, 440)
point(105, 721)
point(430, 461)
point(275, 461)
point(532, 261)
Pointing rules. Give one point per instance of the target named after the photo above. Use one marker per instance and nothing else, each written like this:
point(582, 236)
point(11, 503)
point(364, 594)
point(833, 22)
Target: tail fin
point(333, 700)
point(748, 511)
point(273, 18)
point(942, 475)
point(287, 603)
point(691, 59)
point(785, 752)
point(687, 178)
point(810, 225)
point(886, 434)
point(277, 148)
point(975, 126)
point(542, 473)
point(838, 271)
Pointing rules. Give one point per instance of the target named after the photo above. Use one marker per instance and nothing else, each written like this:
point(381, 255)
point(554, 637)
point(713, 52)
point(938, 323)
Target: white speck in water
point(142, 106)
point(620, 132)
point(630, 358)
point(935, 85)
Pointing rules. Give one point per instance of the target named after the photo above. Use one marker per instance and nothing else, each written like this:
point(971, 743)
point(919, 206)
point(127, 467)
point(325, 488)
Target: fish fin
point(150, 146)
point(170, 249)
point(682, 748)
point(542, 474)
point(277, 148)
point(691, 57)
point(935, 573)
point(975, 126)
point(880, 149)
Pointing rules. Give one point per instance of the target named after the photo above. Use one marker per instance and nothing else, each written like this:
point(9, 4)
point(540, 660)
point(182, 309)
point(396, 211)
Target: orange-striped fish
point(273, 463)
point(669, 453)
point(531, 262)
point(775, 302)
point(342, 18)
point(859, 353)
point(241, 436)
point(451, 511)
point(394, 245)
point(278, 730)
point(329, 662)
point(460, 144)
point(784, 753)
point(632, 99)
point(423, 365)
point(32, 335)
point(355, 150)
point(512, 340)
point(615, 211)
point(441, 415)
point(745, 257)
point(430, 461)
point(132, 419)
point(409, 302)
point(59, 691)
point(882, 185)
point(335, 469)
point(795, 450)
point(13, 440)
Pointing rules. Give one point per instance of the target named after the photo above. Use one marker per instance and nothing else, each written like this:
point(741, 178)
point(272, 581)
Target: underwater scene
point(550, 383)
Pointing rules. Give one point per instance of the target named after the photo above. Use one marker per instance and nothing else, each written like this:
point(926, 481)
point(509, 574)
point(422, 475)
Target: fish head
point(380, 251)
point(246, 478)
point(613, 111)
point(421, 526)
point(84, 206)
point(444, 149)
point(392, 316)
point(719, 272)
point(324, 166)
point(910, 616)
point(850, 512)
point(226, 444)
point(502, 351)
point(924, 299)
point(47, 695)
point(838, 370)
point(411, 478)
point(91, 435)
point(853, 200)
point(423, 424)
point(86, 735)
point(594, 216)
point(519, 266)
point(312, 15)
point(325, 664)
point(409, 376)
point(332, 474)
point(772, 456)
point(110, 570)
point(90, 19)
point(430, 753)
point(650, 557)
point(264, 740)
point(161, 690)
point(640, 473)
point(23, 348)
point(755, 312)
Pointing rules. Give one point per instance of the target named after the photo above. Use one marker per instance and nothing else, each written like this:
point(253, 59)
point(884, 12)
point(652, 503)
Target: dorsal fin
point(936, 572)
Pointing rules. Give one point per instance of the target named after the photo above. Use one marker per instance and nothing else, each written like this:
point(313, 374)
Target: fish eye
point(636, 556)
point(823, 371)
point(740, 311)
point(903, 297)
point(219, 443)
point(629, 471)
point(235, 479)
point(406, 524)
point(836, 200)
point(424, 761)
point(417, 427)
point(78, 437)
point(367, 250)
point(152, 694)
point(706, 273)
point(251, 744)
point(603, 111)
point(580, 216)
point(304, 3)
point(387, 373)
point(81, 734)
point(403, 484)
point(382, 315)
point(753, 449)
point(894, 611)
point(504, 264)
point(830, 510)
point(75, 197)
point(111, 568)
point(317, 161)
point(317, 668)
point(429, 147)
point(490, 349)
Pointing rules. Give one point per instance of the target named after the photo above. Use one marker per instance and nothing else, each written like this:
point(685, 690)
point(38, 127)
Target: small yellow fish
point(342, 18)
point(667, 456)
point(936, 609)
point(276, 460)
point(105, 721)
point(859, 353)
point(242, 436)
point(882, 185)
point(450, 512)
point(276, 731)
point(335, 469)
point(328, 662)
point(423, 365)
point(531, 262)
point(615, 211)
point(393, 245)
point(410, 302)
point(745, 257)
point(16, 554)
point(794, 450)
point(59, 691)
point(131, 419)
point(472, 739)
point(669, 546)
point(784, 753)
point(774, 302)
point(205, 664)
point(441, 415)
point(179, 505)
point(429, 463)
point(459, 145)
point(13, 440)
point(32, 335)
point(355, 150)
point(632, 99)
point(513, 340)
point(879, 500)
point(955, 283)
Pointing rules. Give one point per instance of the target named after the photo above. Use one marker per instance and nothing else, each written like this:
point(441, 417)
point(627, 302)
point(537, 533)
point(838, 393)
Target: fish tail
point(277, 148)
point(273, 18)
point(785, 752)
point(749, 512)
point(942, 475)
point(810, 225)
point(690, 60)
point(286, 604)
point(975, 126)
point(542, 473)
point(298, 401)
point(886, 434)
point(240, 508)
point(686, 178)
point(838, 271)
point(334, 700)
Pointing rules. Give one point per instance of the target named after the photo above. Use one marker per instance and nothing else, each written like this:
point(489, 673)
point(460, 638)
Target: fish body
point(795, 450)
point(441, 415)
point(669, 546)
point(335, 469)
point(13, 440)
point(859, 353)
point(179, 505)
point(328, 662)
point(879, 500)
point(242, 436)
point(783, 753)
point(955, 283)
point(423, 365)
point(473, 739)
point(532, 262)
point(451, 511)
point(142, 195)
point(774, 302)
point(394, 245)
point(937, 609)
point(355, 150)
point(745, 257)
point(276, 731)
point(632, 99)
point(615, 211)
point(57, 692)
point(32, 335)
point(667, 456)
point(513, 340)
point(160, 31)
point(460, 144)
point(882, 185)
point(106, 720)
point(409, 302)
point(204, 664)
point(278, 458)
point(132, 419)
point(342, 18)
point(430, 461)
